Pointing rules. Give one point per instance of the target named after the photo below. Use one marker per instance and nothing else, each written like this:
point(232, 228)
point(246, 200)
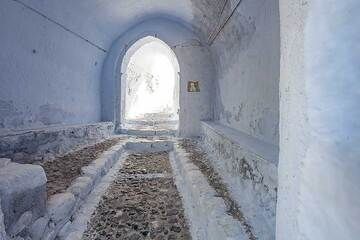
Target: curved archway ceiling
point(101, 21)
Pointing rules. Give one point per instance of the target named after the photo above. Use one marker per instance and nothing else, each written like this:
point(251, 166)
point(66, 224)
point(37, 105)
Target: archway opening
point(151, 84)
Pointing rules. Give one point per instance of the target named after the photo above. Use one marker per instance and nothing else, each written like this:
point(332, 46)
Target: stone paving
point(63, 170)
point(145, 163)
point(142, 203)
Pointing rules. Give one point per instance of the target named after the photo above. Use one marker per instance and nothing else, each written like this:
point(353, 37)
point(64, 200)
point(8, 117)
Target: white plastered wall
point(319, 194)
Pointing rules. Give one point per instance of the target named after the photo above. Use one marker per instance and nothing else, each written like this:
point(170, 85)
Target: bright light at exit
point(151, 82)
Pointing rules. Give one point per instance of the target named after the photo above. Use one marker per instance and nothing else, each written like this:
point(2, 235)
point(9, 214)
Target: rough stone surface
point(64, 232)
point(2, 225)
point(149, 127)
point(206, 210)
point(37, 229)
point(200, 160)
point(20, 195)
point(28, 146)
point(140, 208)
point(147, 163)
point(60, 206)
point(4, 162)
point(23, 222)
point(81, 187)
point(249, 167)
point(62, 171)
point(149, 146)
point(81, 218)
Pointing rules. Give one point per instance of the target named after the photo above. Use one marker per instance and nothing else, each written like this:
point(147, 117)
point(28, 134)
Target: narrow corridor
point(179, 119)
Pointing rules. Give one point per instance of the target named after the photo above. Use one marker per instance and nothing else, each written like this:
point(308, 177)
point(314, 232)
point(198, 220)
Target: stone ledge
point(205, 211)
point(249, 168)
point(264, 150)
point(28, 146)
point(150, 146)
point(145, 133)
point(50, 128)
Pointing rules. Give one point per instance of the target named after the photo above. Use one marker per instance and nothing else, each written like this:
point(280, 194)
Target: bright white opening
point(152, 83)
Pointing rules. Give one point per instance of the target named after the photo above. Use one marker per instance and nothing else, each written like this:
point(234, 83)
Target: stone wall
point(28, 146)
point(249, 167)
point(319, 194)
point(247, 54)
point(47, 74)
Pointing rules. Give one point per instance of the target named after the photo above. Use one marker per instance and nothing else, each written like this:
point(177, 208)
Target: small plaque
point(193, 86)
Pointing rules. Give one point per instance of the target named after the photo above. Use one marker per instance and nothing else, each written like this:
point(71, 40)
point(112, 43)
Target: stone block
point(92, 172)
point(22, 189)
point(27, 146)
point(150, 146)
point(49, 235)
point(81, 187)
point(74, 236)
point(4, 162)
point(23, 222)
point(64, 231)
point(2, 225)
point(60, 206)
point(37, 229)
point(100, 165)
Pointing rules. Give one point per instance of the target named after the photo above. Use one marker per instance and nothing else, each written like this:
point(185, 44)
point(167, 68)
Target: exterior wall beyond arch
point(194, 61)
point(319, 165)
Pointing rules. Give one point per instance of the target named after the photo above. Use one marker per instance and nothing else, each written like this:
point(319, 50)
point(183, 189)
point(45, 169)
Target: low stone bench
point(249, 167)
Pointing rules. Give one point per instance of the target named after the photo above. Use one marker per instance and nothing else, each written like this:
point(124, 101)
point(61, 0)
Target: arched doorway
point(194, 60)
point(150, 86)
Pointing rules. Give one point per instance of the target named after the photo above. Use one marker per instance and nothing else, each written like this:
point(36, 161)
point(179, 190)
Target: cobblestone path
point(142, 203)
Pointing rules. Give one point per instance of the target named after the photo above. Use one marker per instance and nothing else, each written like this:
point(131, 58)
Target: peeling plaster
point(246, 55)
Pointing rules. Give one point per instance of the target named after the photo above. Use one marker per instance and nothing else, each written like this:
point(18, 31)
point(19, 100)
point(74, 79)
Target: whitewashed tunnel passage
point(151, 83)
point(250, 108)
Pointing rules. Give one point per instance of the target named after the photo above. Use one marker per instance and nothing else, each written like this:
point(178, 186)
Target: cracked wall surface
point(250, 174)
point(246, 53)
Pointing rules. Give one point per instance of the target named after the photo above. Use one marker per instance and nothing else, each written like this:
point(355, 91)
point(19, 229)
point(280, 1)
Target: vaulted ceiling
point(101, 21)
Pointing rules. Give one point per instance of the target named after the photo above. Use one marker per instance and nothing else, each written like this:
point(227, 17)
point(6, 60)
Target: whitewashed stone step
point(60, 206)
point(22, 189)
